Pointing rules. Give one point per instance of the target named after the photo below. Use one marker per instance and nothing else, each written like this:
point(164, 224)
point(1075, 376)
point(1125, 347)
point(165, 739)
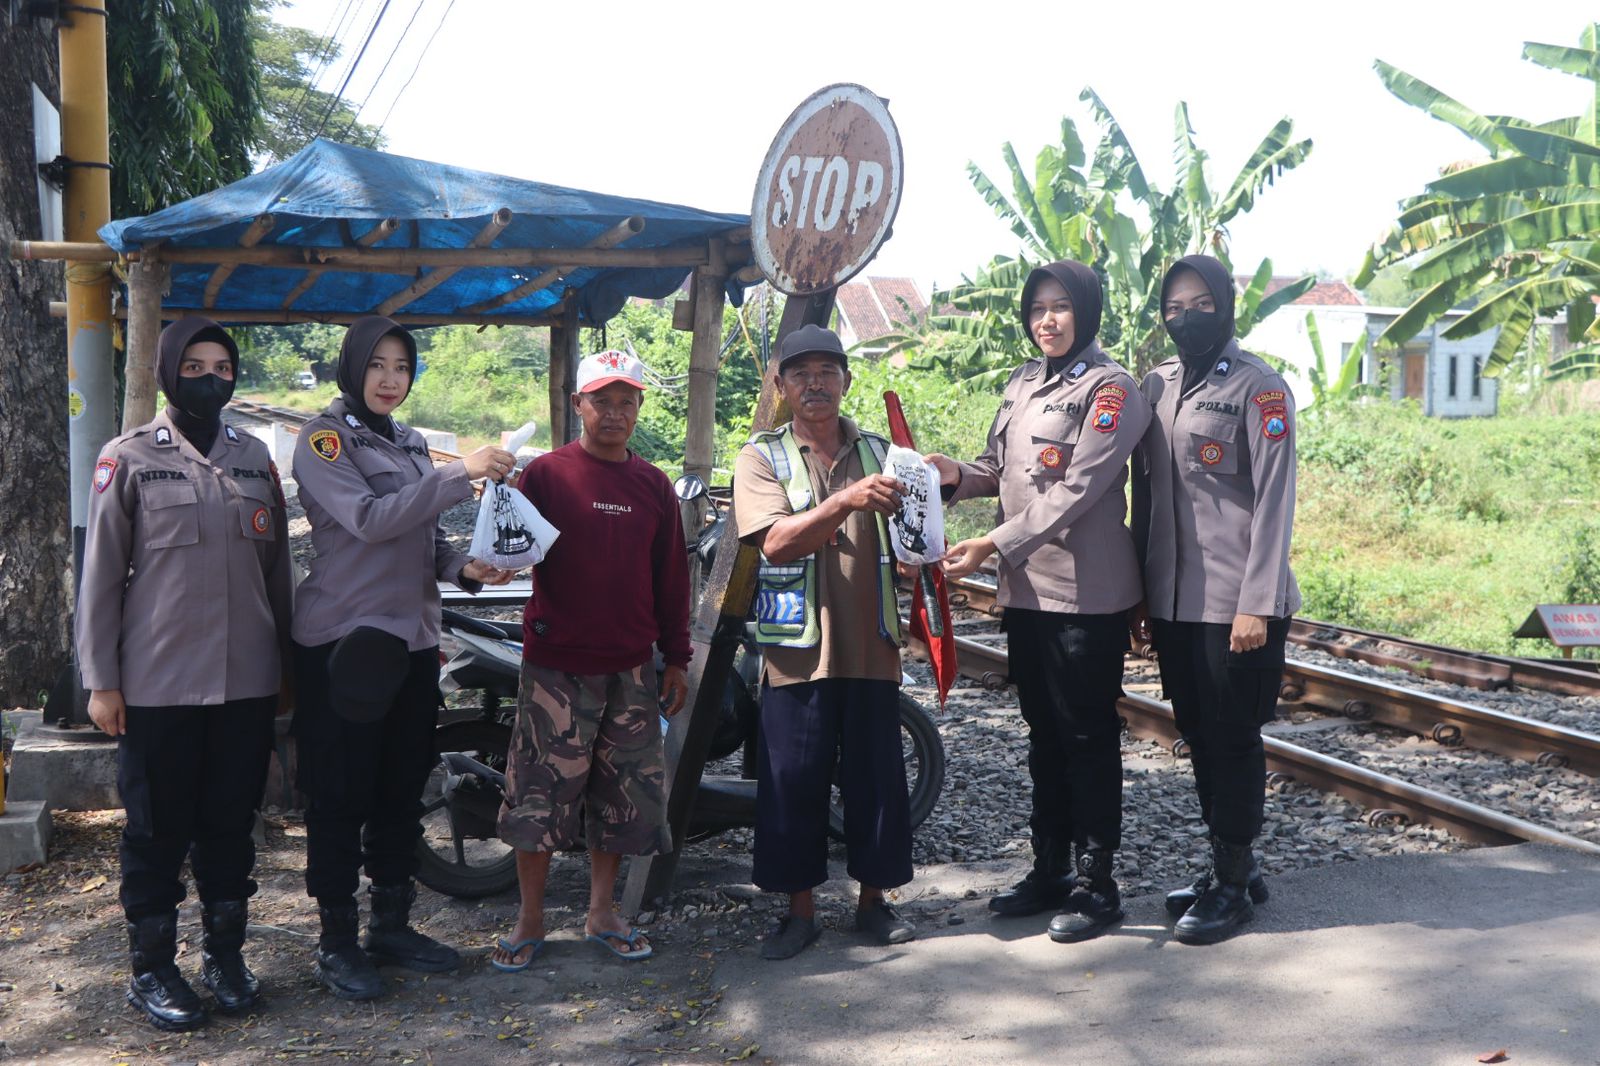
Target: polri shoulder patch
point(1108, 400)
point(325, 442)
point(103, 472)
point(1274, 413)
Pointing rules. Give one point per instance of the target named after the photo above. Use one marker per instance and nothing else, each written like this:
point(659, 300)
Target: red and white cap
point(602, 368)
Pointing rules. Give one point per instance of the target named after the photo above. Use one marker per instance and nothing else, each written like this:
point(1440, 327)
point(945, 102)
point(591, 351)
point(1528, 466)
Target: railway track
point(1385, 797)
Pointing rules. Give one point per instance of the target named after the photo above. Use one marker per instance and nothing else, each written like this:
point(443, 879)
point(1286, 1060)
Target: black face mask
point(202, 398)
point(1196, 333)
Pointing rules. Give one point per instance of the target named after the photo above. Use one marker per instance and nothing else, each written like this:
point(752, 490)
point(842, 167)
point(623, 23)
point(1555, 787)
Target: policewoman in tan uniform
point(183, 619)
point(1214, 485)
point(1057, 457)
point(366, 644)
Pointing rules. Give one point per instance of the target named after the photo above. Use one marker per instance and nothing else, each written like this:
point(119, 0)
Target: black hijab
point(360, 340)
point(1083, 289)
point(194, 417)
point(1199, 356)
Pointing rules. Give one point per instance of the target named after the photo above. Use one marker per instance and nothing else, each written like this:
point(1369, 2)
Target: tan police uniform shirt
point(847, 567)
point(187, 578)
point(1058, 459)
point(1214, 492)
point(374, 506)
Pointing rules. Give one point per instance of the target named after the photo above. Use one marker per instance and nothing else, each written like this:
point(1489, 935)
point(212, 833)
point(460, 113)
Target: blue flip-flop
point(632, 940)
point(514, 950)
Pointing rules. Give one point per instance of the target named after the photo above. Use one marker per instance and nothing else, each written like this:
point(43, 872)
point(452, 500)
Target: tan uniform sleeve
point(107, 552)
point(1098, 460)
point(759, 498)
point(344, 493)
point(1270, 424)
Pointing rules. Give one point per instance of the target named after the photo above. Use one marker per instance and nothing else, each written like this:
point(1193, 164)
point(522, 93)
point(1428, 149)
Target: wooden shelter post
point(718, 623)
point(699, 447)
point(563, 372)
point(148, 280)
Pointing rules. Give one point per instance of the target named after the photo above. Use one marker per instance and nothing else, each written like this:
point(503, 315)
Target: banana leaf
point(1534, 229)
point(1445, 108)
point(1512, 174)
point(1275, 155)
point(1548, 147)
point(1575, 361)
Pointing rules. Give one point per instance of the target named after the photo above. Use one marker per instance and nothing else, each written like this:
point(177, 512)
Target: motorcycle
point(460, 853)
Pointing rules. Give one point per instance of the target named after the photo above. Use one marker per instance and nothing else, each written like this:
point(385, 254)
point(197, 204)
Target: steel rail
point(1447, 721)
point(1385, 797)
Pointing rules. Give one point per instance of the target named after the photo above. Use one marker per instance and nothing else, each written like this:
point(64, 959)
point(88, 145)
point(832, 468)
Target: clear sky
point(678, 102)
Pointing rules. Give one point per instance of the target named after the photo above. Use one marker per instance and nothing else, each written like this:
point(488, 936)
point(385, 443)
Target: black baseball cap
point(811, 340)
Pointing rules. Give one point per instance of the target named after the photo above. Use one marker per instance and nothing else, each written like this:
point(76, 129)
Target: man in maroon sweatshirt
point(586, 758)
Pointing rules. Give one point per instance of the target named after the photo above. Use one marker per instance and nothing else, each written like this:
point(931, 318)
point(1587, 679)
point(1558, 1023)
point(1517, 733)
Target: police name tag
point(917, 531)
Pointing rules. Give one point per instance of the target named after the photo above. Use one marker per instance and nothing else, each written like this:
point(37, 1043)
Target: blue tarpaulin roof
point(329, 194)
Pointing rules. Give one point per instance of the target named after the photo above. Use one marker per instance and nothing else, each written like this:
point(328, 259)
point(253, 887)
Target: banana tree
point(1515, 235)
point(1071, 206)
point(1343, 384)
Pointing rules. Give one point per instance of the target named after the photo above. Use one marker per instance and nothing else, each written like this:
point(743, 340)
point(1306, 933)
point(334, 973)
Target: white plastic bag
point(511, 533)
point(917, 532)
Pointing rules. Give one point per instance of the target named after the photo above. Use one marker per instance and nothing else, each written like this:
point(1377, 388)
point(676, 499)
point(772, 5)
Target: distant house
point(1444, 376)
point(870, 308)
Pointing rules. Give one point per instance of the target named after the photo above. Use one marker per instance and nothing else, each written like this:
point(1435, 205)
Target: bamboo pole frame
point(628, 227)
point(248, 239)
point(335, 318)
point(377, 233)
point(434, 278)
point(146, 284)
point(705, 347)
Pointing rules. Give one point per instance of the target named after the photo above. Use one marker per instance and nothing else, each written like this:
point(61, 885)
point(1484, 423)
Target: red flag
point(930, 602)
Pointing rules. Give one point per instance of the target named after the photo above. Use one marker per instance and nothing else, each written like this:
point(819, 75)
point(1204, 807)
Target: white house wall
point(1462, 405)
point(1282, 334)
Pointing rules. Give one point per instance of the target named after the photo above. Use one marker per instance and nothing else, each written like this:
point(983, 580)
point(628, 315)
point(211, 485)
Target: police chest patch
point(1050, 457)
point(103, 470)
point(1211, 453)
point(325, 442)
point(261, 521)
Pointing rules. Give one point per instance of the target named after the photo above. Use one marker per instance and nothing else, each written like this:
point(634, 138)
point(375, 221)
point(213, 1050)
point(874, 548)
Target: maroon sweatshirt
point(617, 579)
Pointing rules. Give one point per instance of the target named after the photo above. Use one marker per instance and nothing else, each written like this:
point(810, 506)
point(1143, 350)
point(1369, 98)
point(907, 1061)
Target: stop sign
point(828, 191)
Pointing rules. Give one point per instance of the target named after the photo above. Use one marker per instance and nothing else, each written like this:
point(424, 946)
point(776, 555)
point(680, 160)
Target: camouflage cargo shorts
point(586, 766)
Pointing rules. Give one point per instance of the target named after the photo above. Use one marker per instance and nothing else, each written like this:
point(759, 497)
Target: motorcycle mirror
point(690, 487)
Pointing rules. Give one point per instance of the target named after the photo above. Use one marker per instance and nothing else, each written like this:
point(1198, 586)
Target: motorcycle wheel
point(922, 750)
point(464, 863)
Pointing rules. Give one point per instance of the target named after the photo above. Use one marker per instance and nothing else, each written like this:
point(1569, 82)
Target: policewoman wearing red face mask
point(1213, 508)
point(182, 629)
point(366, 646)
point(1057, 457)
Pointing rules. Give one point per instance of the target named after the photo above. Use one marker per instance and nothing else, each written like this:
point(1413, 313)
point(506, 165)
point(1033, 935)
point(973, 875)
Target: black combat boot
point(391, 940)
point(1181, 899)
point(157, 988)
point(341, 964)
point(222, 966)
point(1226, 904)
point(1046, 887)
point(1097, 904)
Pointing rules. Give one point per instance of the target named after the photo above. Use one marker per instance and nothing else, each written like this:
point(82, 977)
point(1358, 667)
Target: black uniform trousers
point(191, 779)
point(1068, 673)
point(363, 781)
point(1220, 699)
point(806, 730)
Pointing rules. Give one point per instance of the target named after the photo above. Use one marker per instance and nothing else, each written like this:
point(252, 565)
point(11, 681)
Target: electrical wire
point(355, 112)
point(418, 66)
point(339, 96)
point(330, 36)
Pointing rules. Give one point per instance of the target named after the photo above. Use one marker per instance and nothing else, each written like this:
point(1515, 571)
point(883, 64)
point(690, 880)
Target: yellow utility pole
point(86, 206)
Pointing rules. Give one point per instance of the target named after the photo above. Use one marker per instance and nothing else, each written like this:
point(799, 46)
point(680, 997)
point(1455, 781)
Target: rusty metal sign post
point(825, 202)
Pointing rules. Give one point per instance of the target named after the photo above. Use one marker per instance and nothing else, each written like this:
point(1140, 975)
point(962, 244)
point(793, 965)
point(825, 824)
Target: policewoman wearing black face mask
point(1057, 457)
point(182, 632)
point(1213, 507)
point(366, 645)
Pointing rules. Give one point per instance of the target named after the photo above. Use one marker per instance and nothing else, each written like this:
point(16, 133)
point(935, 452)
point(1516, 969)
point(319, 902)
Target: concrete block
point(437, 438)
point(279, 441)
point(24, 834)
point(74, 775)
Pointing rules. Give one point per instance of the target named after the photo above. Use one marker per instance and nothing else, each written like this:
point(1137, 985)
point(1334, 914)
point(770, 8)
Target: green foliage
point(291, 110)
point(1516, 235)
point(1580, 571)
point(472, 387)
point(1338, 388)
point(184, 94)
point(281, 369)
point(1071, 206)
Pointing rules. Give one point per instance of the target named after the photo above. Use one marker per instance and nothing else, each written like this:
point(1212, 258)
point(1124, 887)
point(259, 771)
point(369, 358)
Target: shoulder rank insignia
point(1223, 366)
point(163, 435)
point(352, 421)
point(233, 438)
point(325, 442)
point(103, 471)
point(1077, 370)
point(1274, 414)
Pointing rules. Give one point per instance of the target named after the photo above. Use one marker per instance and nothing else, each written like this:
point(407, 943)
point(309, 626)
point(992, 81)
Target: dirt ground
point(63, 971)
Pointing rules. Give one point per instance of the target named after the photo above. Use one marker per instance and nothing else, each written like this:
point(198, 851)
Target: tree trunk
point(35, 550)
